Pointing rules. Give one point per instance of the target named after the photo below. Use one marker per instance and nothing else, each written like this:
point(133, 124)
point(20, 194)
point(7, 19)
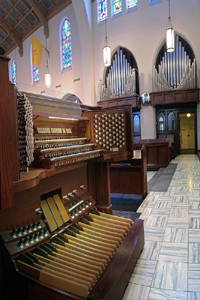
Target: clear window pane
point(171, 121)
point(136, 124)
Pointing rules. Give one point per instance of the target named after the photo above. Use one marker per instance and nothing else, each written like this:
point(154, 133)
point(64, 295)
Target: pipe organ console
point(58, 237)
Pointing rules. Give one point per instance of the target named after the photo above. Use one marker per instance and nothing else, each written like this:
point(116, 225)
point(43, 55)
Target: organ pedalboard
point(70, 248)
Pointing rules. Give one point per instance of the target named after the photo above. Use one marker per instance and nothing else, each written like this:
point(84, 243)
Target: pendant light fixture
point(47, 74)
point(106, 50)
point(169, 34)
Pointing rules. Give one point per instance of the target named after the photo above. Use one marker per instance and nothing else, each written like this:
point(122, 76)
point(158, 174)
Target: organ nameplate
point(116, 149)
point(56, 130)
point(44, 130)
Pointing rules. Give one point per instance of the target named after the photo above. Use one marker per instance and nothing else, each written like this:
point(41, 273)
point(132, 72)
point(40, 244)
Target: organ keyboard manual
point(58, 237)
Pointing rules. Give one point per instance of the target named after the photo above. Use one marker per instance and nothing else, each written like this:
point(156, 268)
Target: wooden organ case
point(58, 238)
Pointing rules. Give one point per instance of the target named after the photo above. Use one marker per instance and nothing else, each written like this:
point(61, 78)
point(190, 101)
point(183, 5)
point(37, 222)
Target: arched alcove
point(175, 69)
point(121, 77)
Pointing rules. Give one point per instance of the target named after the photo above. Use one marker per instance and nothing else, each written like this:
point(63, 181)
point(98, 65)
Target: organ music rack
point(80, 180)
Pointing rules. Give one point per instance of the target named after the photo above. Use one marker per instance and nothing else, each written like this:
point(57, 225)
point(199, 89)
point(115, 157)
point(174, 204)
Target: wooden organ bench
point(130, 176)
point(58, 237)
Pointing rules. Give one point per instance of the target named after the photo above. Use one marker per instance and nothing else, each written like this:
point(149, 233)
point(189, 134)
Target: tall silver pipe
point(121, 71)
point(168, 68)
point(194, 73)
point(171, 69)
point(165, 65)
point(114, 81)
point(179, 65)
point(111, 79)
point(115, 72)
point(177, 61)
point(123, 75)
point(118, 72)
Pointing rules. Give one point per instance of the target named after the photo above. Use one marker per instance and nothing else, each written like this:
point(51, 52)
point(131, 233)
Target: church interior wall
point(141, 30)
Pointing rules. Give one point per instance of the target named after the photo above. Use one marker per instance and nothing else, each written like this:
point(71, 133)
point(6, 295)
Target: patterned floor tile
point(178, 213)
point(178, 223)
point(153, 234)
point(194, 253)
point(136, 292)
point(170, 275)
point(176, 235)
point(194, 236)
point(193, 296)
point(194, 278)
point(151, 250)
point(174, 252)
point(143, 272)
point(160, 294)
point(194, 222)
point(157, 221)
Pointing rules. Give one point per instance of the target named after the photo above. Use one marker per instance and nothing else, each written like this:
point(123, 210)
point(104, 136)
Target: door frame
point(191, 111)
point(178, 109)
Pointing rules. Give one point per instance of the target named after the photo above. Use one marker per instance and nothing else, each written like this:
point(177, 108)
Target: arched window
point(14, 72)
point(161, 122)
point(117, 6)
point(177, 69)
point(65, 45)
point(131, 3)
point(103, 10)
point(126, 80)
point(171, 121)
point(35, 72)
point(136, 123)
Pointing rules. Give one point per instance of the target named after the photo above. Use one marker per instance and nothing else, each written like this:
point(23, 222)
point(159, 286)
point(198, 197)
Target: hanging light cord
point(106, 32)
point(169, 10)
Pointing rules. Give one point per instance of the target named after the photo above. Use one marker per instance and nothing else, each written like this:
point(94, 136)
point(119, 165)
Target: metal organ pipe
point(176, 70)
point(121, 79)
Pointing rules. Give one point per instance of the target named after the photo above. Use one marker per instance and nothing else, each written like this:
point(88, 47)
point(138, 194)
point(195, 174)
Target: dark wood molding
point(118, 101)
point(6, 172)
point(13, 34)
point(157, 152)
point(175, 96)
point(130, 179)
point(41, 16)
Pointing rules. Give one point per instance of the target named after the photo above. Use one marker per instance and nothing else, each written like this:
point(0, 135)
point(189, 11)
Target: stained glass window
point(161, 122)
point(66, 45)
point(14, 72)
point(103, 13)
point(117, 6)
point(35, 74)
point(132, 3)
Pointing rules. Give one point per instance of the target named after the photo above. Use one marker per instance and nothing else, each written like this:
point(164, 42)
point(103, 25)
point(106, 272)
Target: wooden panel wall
point(6, 175)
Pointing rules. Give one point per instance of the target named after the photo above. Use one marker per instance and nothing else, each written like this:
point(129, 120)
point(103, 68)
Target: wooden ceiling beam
point(41, 16)
point(16, 38)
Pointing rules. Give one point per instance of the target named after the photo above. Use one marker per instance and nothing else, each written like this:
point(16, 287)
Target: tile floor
point(169, 265)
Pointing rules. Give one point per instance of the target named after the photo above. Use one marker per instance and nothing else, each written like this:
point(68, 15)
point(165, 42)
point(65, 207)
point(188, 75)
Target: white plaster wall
point(66, 79)
point(142, 31)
